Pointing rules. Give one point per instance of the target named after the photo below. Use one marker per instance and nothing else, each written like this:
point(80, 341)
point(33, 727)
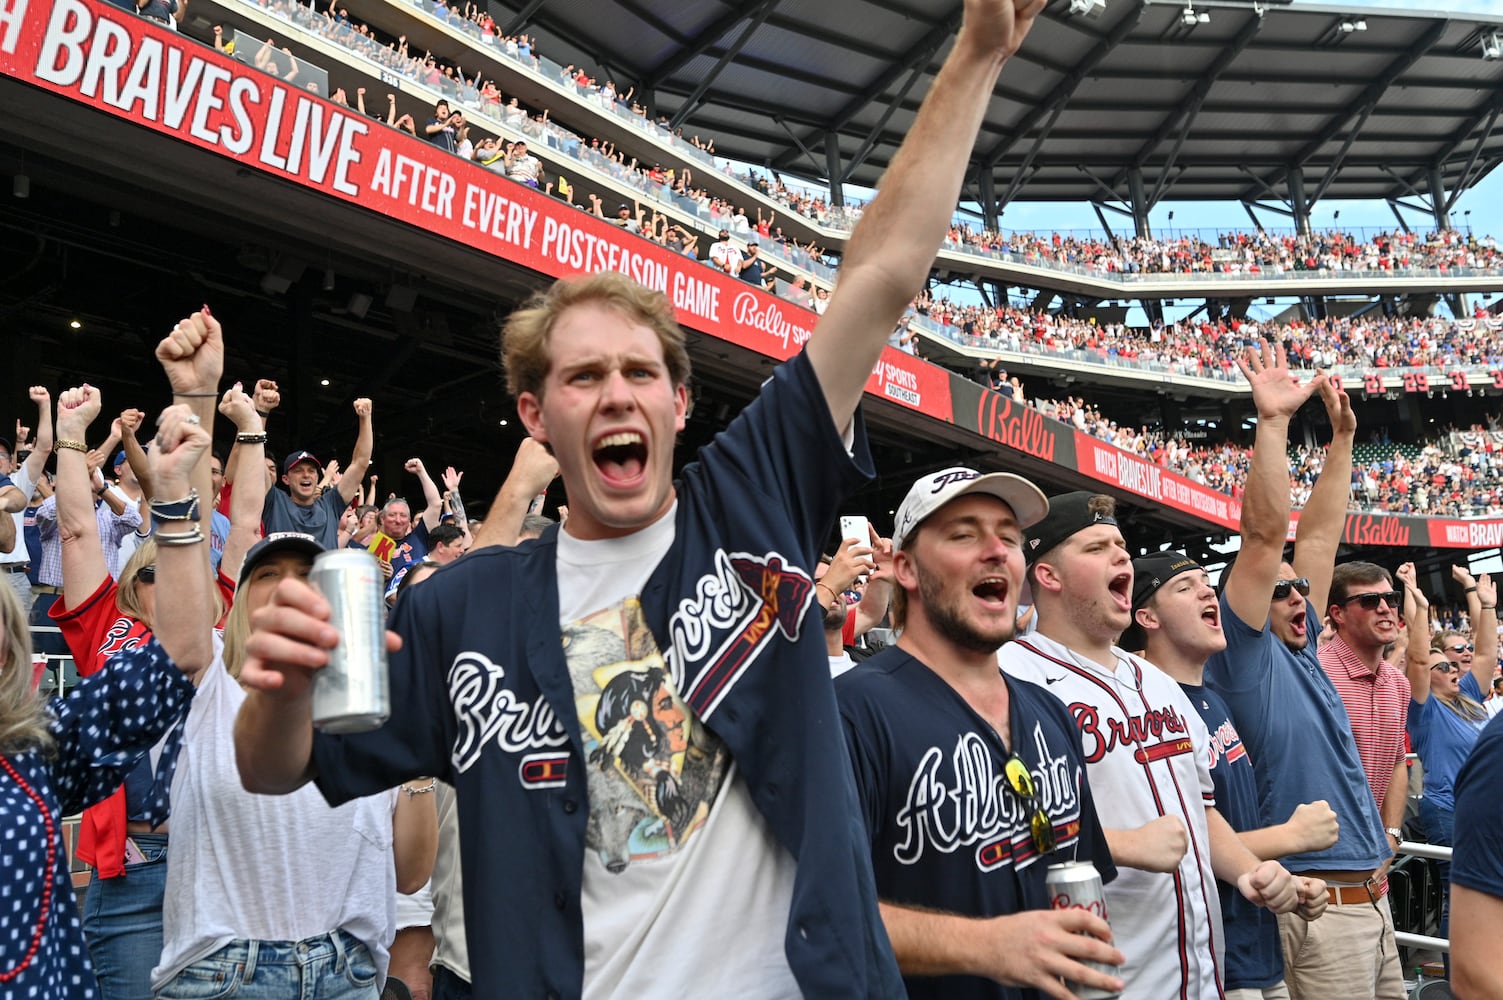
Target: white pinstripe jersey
point(1146, 756)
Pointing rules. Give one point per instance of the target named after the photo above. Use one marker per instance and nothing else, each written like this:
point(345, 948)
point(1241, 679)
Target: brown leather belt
point(1353, 895)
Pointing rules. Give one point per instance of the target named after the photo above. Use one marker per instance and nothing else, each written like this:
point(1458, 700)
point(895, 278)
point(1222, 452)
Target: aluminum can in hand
point(1076, 885)
point(353, 693)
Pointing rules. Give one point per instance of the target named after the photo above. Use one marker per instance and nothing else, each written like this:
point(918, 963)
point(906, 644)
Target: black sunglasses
point(1446, 668)
point(1281, 588)
point(1463, 648)
point(1040, 826)
point(1370, 602)
point(146, 574)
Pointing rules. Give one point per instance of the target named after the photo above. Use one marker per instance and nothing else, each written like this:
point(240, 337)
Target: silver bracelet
point(432, 784)
point(180, 538)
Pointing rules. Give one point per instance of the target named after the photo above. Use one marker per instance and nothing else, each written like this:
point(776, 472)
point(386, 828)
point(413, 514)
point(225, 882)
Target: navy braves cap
point(280, 541)
point(1068, 513)
point(1149, 573)
point(934, 491)
point(300, 456)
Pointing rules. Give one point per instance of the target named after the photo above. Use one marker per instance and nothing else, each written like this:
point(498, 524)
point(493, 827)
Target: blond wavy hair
point(524, 338)
point(23, 712)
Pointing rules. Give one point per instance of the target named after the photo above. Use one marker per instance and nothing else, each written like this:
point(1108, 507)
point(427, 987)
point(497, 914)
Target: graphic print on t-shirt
point(654, 770)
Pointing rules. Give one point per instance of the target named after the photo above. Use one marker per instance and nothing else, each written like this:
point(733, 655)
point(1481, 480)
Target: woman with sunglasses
point(1445, 711)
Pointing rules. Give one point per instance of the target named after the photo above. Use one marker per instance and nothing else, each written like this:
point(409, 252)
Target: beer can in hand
point(352, 694)
point(1076, 885)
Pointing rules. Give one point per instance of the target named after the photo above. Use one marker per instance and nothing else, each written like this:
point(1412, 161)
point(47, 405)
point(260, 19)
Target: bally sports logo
point(749, 311)
point(898, 383)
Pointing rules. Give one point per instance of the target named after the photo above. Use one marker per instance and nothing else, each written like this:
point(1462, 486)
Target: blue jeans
point(332, 966)
point(122, 921)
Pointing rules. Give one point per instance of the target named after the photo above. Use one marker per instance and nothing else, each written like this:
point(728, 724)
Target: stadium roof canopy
point(1222, 104)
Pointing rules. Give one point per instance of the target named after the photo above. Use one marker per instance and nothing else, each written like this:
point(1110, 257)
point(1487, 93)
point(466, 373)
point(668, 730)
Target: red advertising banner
point(1110, 464)
point(1464, 534)
point(134, 69)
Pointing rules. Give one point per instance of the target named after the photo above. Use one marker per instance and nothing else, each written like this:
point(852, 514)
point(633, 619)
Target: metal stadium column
point(1295, 180)
point(1438, 198)
point(1140, 204)
point(988, 191)
point(832, 167)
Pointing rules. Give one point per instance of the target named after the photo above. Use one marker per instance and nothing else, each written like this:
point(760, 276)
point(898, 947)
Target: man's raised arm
point(1321, 522)
point(893, 247)
point(1265, 505)
point(360, 461)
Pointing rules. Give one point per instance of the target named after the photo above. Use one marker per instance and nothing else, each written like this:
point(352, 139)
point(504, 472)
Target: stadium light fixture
point(1087, 8)
point(1348, 27)
point(1190, 17)
point(1492, 45)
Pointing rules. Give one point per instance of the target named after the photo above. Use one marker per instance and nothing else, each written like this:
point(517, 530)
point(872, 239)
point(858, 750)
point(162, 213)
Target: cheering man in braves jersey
point(1145, 750)
point(971, 783)
point(635, 712)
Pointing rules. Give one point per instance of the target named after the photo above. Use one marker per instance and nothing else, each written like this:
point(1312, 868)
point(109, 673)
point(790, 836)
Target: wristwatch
point(1394, 832)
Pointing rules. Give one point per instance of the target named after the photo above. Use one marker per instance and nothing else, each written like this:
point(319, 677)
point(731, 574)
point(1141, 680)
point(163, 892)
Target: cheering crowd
point(615, 756)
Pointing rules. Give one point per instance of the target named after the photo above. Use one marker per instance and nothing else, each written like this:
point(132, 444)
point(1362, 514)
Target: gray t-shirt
point(319, 519)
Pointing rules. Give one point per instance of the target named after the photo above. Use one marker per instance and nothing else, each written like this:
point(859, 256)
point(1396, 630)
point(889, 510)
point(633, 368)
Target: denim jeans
point(122, 922)
point(332, 966)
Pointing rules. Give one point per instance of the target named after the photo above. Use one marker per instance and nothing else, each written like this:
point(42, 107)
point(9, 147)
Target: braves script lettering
point(1129, 732)
point(735, 610)
point(487, 710)
point(1225, 742)
point(969, 802)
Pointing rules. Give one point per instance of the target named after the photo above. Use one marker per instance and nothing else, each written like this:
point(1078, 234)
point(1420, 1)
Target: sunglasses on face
point(1463, 648)
point(146, 574)
point(1370, 602)
point(1446, 668)
point(1039, 825)
point(1281, 588)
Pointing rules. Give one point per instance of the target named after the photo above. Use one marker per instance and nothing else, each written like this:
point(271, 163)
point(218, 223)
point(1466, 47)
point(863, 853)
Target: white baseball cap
point(1028, 503)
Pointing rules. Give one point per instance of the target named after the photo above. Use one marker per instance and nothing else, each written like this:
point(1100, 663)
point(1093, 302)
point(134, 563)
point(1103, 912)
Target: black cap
point(1149, 573)
point(1068, 514)
point(280, 541)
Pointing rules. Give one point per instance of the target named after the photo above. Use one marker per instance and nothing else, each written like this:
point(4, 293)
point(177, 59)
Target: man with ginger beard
point(971, 783)
point(572, 878)
point(1146, 755)
point(1287, 711)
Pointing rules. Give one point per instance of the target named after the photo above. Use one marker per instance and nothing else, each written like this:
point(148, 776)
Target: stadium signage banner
point(1008, 423)
point(1109, 464)
point(109, 59)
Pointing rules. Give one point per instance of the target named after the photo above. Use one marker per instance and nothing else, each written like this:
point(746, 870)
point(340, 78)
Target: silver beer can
point(1076, 885)
point(352, 694)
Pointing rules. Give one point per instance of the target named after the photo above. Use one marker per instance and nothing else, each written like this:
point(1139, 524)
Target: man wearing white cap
point(971, 783)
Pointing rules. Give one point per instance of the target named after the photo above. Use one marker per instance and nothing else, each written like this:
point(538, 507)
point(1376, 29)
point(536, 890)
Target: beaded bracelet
point(180, 538)
point(65, 444)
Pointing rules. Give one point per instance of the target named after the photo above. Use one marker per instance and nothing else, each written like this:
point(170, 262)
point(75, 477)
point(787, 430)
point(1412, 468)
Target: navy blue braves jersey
point(482, 698)
point(947, 831)
point(1254, 958)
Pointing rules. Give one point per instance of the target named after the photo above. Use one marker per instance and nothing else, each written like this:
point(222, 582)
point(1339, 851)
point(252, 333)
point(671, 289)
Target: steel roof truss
point(754, 22)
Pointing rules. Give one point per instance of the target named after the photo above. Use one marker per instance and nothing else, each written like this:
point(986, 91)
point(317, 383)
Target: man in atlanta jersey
point(689, 830)
point(971, 783)
point(1145, 751)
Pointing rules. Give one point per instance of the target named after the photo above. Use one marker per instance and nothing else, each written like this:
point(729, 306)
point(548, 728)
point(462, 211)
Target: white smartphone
point(854, 527)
